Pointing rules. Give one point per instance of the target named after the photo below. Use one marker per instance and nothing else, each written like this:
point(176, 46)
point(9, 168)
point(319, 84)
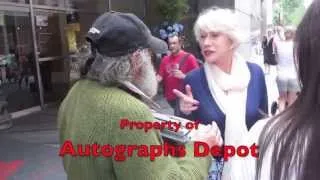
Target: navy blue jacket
point(208, 111)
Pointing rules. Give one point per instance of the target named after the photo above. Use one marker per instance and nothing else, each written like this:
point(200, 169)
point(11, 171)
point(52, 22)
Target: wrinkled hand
point(209, 134)
point(187, 102)
point(178, 74)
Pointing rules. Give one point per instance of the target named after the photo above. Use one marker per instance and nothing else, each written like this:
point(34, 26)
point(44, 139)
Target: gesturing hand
point(209, 134)
point(187, 102)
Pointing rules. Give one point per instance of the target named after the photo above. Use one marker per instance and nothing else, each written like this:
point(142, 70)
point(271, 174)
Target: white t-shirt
point(286, 66)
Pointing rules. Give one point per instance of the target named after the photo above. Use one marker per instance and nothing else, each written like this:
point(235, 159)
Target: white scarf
point(230, 93)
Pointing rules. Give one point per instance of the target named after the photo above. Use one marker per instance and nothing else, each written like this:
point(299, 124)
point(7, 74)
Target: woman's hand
point(187, 102)
point(209, 134)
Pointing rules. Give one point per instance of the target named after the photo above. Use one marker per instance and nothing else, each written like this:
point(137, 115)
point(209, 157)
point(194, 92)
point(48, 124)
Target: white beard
point(147, 82)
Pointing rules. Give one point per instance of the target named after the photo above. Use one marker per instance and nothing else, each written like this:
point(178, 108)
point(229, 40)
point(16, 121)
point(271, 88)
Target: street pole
point(35, 51)
point(109, 5)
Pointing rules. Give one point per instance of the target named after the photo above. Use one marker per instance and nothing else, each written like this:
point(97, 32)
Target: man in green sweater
point(118, 81)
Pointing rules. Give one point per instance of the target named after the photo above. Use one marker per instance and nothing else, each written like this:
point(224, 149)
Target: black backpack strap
point(183, 59)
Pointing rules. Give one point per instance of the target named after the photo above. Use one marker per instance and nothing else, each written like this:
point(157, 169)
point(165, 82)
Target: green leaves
point(172, 10)
point(290, 12)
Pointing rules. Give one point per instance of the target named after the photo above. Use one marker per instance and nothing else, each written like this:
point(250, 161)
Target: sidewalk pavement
point(29, 149)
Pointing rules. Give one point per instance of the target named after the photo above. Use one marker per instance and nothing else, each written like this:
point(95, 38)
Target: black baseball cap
point(116, 34)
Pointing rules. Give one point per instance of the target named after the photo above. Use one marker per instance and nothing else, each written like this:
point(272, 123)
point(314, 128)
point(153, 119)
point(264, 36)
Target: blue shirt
point(208, 111)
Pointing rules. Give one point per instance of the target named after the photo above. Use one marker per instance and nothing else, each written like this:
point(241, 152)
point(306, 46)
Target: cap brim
point(157, 45)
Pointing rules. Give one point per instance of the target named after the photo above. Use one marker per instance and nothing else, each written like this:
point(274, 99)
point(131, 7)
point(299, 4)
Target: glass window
point(51, 44)
point(48, 33)
point(60, 29)
point(59, 35)
point(18, 80)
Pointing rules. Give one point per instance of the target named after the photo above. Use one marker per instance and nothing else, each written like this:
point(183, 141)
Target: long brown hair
point(294, 135)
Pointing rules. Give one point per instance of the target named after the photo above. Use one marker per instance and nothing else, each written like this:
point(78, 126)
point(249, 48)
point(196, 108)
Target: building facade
point(37, 39)
point(38, 36)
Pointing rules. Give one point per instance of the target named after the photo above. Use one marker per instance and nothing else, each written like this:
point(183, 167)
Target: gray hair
point(106, 70)
point(219, 20)
point(110, 70)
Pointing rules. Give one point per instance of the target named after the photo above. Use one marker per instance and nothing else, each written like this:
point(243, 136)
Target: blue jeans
point(215, 171)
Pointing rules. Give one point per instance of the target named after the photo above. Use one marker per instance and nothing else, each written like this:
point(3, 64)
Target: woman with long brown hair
point(289, 144)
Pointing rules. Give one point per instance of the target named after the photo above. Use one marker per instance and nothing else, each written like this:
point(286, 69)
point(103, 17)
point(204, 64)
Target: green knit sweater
point(90, 113)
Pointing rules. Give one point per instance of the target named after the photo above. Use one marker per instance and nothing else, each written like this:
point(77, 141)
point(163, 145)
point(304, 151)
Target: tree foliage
point(173, 10)
point(288, 12)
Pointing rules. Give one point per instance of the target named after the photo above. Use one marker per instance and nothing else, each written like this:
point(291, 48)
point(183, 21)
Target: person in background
point(268, 50)
point(287, 80)
point(173, 69)
point(289, 143)
point(227, 89)
point(278, 33)
point(117, 82)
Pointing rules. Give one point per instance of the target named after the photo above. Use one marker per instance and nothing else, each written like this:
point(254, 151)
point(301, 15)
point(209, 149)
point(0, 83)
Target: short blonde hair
point(219, 20)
